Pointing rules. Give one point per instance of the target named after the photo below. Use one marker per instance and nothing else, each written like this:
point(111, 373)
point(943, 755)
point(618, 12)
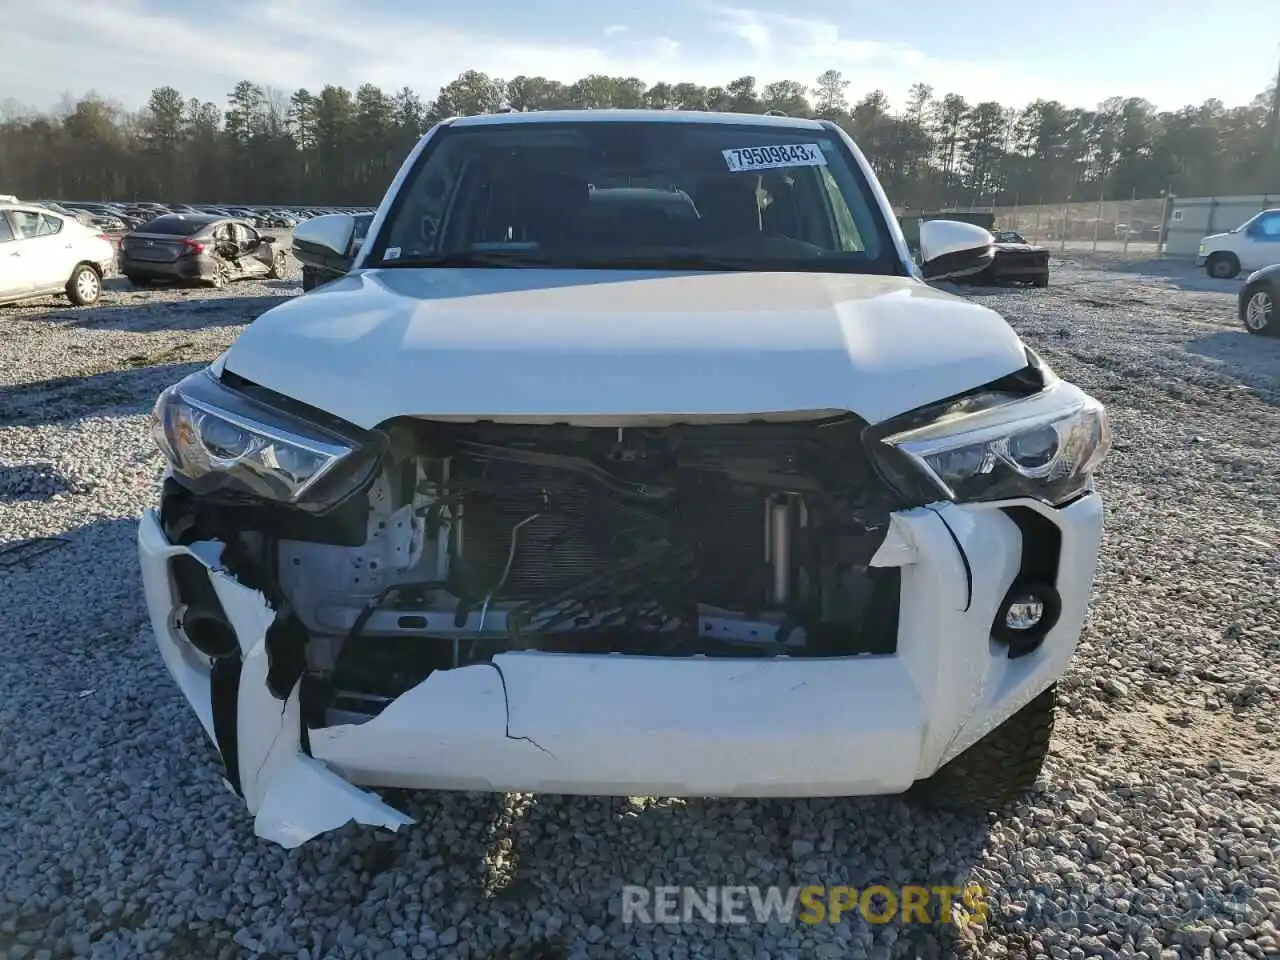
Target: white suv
point(632, 456)
point(43, 253)
point(1251, 246)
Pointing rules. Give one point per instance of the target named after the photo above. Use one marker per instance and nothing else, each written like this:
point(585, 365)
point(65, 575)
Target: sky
point(1172, 52)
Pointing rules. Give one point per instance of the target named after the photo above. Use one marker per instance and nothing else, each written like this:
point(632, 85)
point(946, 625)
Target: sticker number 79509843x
point(782, 155)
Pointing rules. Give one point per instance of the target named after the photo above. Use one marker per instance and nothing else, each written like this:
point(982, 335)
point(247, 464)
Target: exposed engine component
point(482, 538)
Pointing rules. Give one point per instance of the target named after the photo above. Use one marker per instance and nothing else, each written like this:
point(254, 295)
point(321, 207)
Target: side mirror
point(950, 248)
point(326, 241)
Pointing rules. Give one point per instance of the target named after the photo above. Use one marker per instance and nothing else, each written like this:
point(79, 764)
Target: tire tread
point(1000, 768)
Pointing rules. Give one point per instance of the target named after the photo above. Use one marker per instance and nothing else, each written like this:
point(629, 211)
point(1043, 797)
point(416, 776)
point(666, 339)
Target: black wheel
point(85, 286)
point(136, 281)
point(1042, 280)
point(309, 279)
point(1258, 311)
point(1222, 266)
point(997, 770)
point(277, 266)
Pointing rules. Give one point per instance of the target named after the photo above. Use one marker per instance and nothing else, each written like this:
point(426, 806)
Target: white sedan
point(43, 253)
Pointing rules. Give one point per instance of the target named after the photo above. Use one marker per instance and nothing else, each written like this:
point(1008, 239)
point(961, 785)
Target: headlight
point(216, 438)
point(1044, 446)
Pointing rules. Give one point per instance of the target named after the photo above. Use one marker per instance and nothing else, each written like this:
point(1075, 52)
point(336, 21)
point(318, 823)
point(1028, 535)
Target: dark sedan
point(1016, 261)
point(1257, 302)
point(199, 249)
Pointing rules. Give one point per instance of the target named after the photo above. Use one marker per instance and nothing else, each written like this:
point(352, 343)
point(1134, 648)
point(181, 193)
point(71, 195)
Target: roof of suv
point(649, 116)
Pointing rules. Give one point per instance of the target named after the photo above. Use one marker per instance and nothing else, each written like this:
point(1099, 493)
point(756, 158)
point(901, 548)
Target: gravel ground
point(1155, 834)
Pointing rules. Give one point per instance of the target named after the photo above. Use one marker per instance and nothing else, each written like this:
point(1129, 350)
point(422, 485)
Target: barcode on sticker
point(783, 155)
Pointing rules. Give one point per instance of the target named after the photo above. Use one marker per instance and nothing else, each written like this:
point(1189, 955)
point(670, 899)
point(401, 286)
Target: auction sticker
point(767, 158)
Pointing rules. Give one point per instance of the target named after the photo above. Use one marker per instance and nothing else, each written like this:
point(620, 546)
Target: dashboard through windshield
point(637, 194)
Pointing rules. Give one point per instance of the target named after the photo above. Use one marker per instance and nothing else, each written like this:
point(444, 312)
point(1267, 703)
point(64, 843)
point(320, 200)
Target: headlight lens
point(216, 438)
point(1045, 446)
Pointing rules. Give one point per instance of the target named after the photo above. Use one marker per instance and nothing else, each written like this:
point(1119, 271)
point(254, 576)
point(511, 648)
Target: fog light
point(1026, 616)
point(1024, 612)
point(209, 632)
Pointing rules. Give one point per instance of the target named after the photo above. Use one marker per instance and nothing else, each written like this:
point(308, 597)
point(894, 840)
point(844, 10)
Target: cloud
point(125, 48)
point(801, 47)
point(666, 48)
point(749, 27)
point(768, 33)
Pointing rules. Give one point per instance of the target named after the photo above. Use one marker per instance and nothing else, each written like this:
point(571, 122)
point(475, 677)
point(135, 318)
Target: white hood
point(599, 347)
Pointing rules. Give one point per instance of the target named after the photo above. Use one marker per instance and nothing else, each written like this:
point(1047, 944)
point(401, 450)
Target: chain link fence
point(1130, 228)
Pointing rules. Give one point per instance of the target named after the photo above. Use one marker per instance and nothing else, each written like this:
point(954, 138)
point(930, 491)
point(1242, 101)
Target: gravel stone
point(1155, 832)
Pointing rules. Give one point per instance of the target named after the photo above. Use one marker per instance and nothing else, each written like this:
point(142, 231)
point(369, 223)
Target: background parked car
point(277, 218)
point(199, 248)
point(1251, 246)
point(100, 218)
point(1016, 261)
point(82, 217)
point(1258, 299)
point(42, 253)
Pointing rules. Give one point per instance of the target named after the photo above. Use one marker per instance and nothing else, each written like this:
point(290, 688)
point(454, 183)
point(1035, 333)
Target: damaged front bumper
point(653, 726)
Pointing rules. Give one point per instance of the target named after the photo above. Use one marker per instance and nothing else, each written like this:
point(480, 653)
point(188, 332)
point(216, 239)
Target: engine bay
point(731, 540)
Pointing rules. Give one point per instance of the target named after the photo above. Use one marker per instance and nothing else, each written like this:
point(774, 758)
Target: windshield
point(637, 194)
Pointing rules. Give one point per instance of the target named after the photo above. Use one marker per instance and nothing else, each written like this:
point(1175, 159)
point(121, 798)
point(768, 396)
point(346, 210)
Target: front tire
point(1222, 266)
point(85, 286)
point(1259, 312)
point(1041, 281)
point(1000, 768)
point(138, 282)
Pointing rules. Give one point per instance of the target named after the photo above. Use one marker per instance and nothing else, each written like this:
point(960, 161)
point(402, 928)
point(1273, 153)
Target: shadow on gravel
point(32, 481)
point(116, 392)
point(761, 844)
point(1182, 274)
point(285, 284)
point(146, 314)
point(1252, 361)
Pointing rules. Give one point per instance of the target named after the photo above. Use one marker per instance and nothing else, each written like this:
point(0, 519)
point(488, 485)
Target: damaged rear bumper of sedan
point(321, 666)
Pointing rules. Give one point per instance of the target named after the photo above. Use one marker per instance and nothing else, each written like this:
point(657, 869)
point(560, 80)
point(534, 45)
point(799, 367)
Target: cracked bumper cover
point(655, 726)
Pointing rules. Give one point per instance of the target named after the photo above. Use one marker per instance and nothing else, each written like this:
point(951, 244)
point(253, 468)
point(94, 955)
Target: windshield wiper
point(474, 258)
point(657, 262)
point(702, 261)
point(675, 261)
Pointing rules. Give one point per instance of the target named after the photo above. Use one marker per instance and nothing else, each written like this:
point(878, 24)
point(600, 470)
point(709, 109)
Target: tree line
point(338, 146)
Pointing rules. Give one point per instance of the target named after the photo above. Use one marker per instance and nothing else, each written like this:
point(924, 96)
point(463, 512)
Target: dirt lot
point(1156, 832)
